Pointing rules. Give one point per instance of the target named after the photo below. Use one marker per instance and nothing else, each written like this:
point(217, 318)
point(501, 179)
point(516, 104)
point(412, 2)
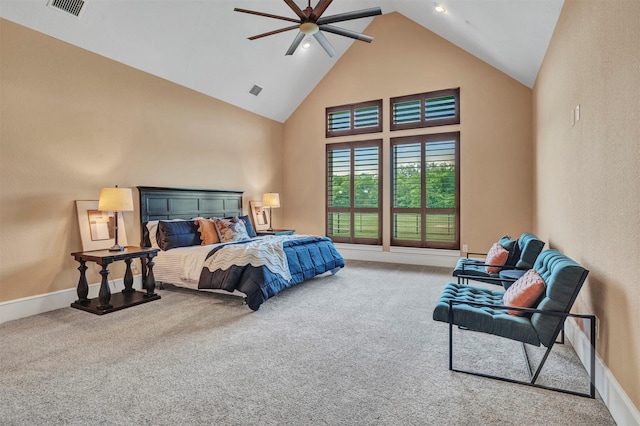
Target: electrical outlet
point(134, 267)
point(465, 248)
point(578, 112)
point(573, 116)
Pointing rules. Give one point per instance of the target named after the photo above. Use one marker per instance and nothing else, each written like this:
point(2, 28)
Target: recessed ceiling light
point(306, 44)
point(440, 8)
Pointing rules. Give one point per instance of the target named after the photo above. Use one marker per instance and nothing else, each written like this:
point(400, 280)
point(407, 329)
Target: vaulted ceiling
point(203, 45)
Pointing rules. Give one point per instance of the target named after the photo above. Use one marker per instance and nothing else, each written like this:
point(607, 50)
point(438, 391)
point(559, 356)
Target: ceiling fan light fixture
point(309, 28)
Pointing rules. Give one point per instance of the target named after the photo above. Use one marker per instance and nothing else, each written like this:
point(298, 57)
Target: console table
point(105, 302)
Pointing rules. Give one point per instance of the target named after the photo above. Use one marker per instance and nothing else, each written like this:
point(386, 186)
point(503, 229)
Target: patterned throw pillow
point(230, 230)
point(496, 257)
point(208, 232)
point(247, 223)
point(525, 292)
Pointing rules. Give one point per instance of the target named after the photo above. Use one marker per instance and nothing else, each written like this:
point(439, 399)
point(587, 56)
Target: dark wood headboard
point(181, 203)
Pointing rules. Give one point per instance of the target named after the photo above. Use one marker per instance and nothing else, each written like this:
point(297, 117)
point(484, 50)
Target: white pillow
point(152, 227)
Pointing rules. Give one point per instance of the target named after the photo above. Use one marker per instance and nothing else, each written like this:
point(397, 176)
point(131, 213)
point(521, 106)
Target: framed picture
point(260, 216)
point(97, 228)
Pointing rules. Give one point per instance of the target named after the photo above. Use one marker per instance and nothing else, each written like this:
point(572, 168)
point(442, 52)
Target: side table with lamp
point(271, 200)
point(116, 200)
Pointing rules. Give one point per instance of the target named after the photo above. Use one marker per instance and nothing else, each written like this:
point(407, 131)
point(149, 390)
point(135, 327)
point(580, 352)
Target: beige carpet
point(357, 348)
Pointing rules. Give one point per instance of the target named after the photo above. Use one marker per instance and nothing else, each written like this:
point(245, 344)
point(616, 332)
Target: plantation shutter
point(425, 191)
point(366, 117)
point(425, 109)
point(407, 112)
point(354, 192)
point(439, 108)
point(339, 121)
point(440, 193)
point(355, 119)
point(407, 191)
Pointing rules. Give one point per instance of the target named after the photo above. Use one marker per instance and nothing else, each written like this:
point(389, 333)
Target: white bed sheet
point(182, 266)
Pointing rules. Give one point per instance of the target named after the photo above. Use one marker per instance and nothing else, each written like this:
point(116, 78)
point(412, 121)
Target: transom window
point(426, 109)
point(354, 188)
point(354, 119)
point(425, 191)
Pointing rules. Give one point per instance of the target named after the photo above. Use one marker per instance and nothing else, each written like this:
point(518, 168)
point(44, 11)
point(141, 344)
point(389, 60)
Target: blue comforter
point(307, 257)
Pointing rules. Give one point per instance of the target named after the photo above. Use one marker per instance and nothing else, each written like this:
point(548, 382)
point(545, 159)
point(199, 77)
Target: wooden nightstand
point(276, 232)
point(104, 303)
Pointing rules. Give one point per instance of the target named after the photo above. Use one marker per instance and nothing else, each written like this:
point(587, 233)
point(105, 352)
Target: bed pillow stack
point(169, 234)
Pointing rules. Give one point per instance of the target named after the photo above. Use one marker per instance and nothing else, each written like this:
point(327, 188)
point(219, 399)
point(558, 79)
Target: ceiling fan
point(311, 22)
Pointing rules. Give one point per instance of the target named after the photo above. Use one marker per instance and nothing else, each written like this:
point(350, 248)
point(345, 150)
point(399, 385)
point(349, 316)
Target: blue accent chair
point(482, 310)
point(522, 256)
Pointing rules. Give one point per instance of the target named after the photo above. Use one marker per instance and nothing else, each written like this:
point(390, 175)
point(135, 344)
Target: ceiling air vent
point(255, 90)
point(73, 7)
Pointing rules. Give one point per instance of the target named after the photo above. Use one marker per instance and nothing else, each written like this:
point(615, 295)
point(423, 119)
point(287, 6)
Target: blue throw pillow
point(247, 224)
point(178, 234)
point(512, 247)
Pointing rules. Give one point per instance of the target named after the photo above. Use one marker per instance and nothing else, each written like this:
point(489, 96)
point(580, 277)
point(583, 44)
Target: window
point(355, 119)
point(425, 191)
point(426, 109)
point(354, 185)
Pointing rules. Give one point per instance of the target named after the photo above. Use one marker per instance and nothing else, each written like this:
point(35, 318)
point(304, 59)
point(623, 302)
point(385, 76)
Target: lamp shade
point(271, 199)
point(117, 199)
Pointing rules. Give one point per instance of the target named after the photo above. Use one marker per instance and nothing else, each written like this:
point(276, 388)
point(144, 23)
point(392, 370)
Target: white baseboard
point(622, 409)
point(20, 308)
point(27, 306)
point(404, 255)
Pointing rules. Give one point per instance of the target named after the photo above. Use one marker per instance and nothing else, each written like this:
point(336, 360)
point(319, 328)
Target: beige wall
point(73, 122)
point(587, 199)
point(405, 58)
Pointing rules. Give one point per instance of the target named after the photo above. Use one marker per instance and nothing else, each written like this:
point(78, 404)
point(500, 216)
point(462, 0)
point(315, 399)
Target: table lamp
point(116, 200)
point(271, 200)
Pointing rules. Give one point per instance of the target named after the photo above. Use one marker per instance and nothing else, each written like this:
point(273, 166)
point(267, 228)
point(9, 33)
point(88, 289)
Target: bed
point(257, 268)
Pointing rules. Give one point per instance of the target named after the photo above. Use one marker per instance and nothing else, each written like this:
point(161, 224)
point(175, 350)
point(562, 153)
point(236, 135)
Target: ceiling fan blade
point(322, 40)
point(319, 9)
point(347, 16)
point(281, 30)
point(346, 33)
point(266, 15)
point(295, 44)
point(296, 9)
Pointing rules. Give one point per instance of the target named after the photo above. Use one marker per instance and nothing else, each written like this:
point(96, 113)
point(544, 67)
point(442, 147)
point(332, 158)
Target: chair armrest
point(516, 308)
point(488, 264)
point(476, 254)
point(497, 280)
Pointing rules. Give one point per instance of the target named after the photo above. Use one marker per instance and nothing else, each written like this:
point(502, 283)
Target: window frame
point(352, 210)
point(352, 108)
point(423, 139)
point(422, 97)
